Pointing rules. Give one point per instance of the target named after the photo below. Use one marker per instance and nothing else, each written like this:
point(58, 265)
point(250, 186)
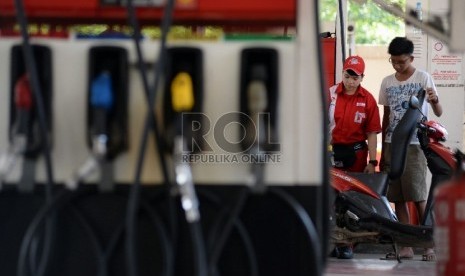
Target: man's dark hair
point(400, 46)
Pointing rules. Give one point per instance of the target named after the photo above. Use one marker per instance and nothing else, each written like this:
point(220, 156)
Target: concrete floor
point(371, 264)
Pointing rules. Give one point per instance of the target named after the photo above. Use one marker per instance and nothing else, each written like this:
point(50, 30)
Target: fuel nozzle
point(101, 102)
point(182, 100)
point(182, 93)
point(257, 102)
point(185, 182)
point(257, 98)
point(23, 103)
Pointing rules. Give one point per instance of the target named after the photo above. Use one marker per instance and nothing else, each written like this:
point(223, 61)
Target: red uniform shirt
point(351, 117)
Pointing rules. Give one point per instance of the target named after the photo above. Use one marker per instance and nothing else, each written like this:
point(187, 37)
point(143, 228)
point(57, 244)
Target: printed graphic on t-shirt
point(398, 97)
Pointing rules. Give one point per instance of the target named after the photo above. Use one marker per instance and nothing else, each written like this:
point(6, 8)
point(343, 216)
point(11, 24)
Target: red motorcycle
point(362, 213)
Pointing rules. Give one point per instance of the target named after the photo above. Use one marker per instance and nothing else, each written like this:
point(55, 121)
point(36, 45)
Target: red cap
point(356, 64)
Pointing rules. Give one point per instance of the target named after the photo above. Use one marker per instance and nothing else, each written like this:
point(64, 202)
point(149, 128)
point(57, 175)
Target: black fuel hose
point(249, 248)
point(134, 196)
point(99, 252)
point(164, 239)
point(223, 219)
point(95, 244)
point(219, 237)
point(326, 195)
point(31, 67)
point(22, 267)
point(136, 36)
point(343, 31)
point(310, 230)
point(65, 199)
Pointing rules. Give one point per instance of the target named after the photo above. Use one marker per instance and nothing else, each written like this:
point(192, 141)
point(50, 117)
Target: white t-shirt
point(396, 95)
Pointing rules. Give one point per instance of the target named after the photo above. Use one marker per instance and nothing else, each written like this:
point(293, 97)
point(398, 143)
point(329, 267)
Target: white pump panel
point(300, 156)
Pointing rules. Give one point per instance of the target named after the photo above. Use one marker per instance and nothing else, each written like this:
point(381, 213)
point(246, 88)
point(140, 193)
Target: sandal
point(429, 256)
point(393, 256)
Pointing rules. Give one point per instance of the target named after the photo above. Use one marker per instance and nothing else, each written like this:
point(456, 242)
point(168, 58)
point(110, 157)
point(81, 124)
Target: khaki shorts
point(411, 186)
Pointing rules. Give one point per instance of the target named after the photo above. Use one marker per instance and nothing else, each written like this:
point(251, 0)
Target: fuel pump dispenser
point(174, 209)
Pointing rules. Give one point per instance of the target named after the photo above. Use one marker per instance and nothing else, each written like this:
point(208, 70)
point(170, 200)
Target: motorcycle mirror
point(414, 102)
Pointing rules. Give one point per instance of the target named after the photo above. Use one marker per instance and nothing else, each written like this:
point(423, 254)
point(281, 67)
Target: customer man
point(394, 94)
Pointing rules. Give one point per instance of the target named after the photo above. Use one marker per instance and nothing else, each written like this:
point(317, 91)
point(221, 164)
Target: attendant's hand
point(369, 168)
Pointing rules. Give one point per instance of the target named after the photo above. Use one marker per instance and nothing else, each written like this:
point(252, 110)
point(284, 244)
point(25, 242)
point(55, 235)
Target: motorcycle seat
point(378, 182)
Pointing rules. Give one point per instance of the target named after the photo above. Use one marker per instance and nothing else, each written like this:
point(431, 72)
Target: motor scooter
point(362, 213)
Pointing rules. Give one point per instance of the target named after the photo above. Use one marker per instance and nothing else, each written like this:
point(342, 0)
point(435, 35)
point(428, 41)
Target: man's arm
point(433, 99)
point(437, 108)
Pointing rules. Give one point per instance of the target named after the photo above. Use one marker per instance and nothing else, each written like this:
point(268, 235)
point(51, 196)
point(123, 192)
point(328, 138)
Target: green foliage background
point(373, 25)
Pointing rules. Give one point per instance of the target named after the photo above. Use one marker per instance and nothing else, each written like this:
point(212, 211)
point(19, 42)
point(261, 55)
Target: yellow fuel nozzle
point(182, 92)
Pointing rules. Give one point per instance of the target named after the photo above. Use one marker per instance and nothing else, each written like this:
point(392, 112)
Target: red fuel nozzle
point(23, 93)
